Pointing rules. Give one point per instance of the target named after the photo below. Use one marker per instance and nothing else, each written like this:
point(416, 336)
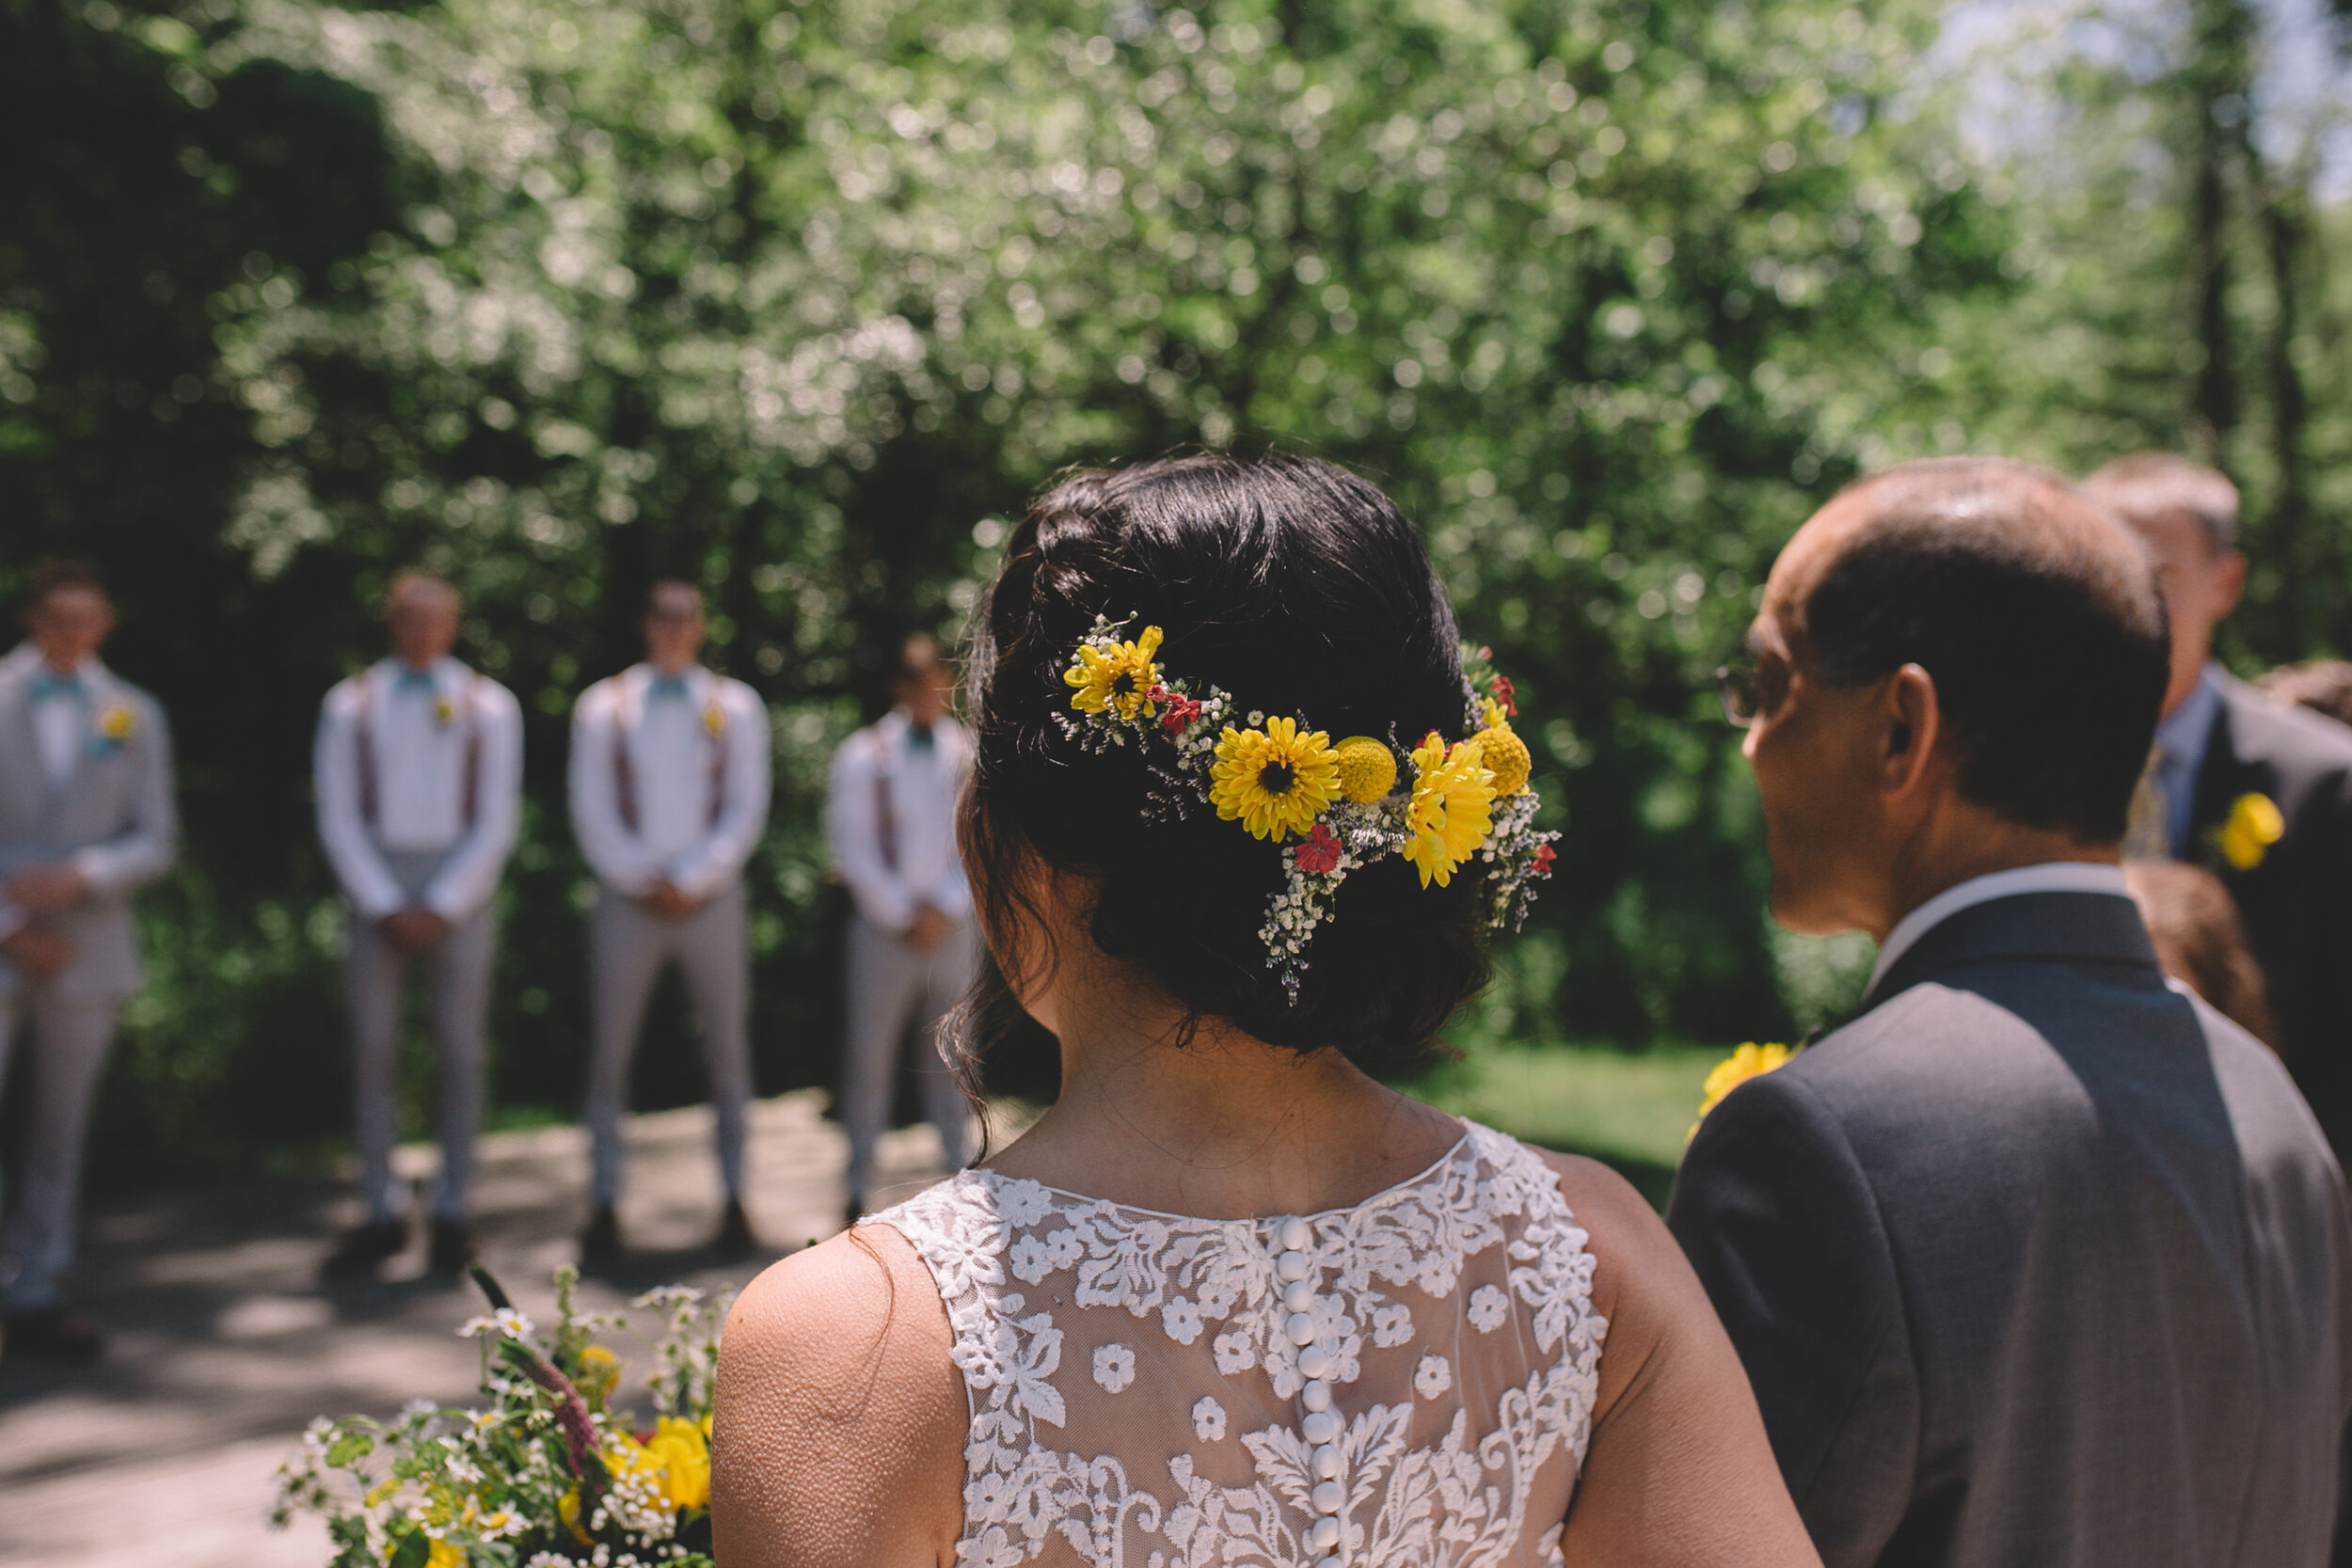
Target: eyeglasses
point(1734, 688)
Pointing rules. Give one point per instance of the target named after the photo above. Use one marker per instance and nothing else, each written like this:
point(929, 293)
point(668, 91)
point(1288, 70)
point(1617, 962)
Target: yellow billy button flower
point(714, 720)
point(2254, 824)
point(1275, 780)
point(118, 724)
point(1367, 769)
point(1745, 1062)
point(1506, 757)
point(600, 1369)
point(443, 711)
point(1452, 809)
point(1118, 679)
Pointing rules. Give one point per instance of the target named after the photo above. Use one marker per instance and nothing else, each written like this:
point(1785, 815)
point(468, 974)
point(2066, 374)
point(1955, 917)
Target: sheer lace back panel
point(1405, 1384)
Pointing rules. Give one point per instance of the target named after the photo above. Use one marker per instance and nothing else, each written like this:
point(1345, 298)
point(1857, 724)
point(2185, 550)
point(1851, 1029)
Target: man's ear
point(1912, 720)
point(2228, 579)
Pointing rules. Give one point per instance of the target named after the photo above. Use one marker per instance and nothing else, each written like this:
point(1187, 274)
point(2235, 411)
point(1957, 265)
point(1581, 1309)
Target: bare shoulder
point(841, 1416)
point(1622, 1232)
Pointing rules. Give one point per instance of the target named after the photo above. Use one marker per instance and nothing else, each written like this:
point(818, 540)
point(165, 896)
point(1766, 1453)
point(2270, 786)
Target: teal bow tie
point(413, 679)
point(668, 686)
point(48, 684)
point(921, 740)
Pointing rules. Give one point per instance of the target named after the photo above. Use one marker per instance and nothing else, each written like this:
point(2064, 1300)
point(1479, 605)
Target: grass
point(1632, 1111)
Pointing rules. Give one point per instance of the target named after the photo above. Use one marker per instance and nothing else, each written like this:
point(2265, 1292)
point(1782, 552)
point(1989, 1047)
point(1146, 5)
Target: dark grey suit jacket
point(2036, 1262)
point(2298, 903)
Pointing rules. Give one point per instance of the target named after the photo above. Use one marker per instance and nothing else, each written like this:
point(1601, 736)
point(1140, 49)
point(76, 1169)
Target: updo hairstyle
point(1301, 590)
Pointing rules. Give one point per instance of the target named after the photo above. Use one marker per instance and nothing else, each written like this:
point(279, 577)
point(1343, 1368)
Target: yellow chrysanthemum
point(678, 1454)
point(1748, 1061)
point(1119, 679)
point(1506, 755)
point(2253, 826)
point(567, 1508)
point(1275, 780)
point(1451, 809)
point(1367, 769)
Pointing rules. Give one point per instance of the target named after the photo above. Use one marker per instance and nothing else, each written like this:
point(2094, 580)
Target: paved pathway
point(224, 1344)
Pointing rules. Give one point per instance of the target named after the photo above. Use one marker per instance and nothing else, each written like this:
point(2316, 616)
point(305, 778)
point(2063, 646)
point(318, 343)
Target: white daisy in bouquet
point(545, 1473)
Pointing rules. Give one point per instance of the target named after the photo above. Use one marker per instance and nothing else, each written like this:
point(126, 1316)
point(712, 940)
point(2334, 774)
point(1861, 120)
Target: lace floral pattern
point(1136, 1379)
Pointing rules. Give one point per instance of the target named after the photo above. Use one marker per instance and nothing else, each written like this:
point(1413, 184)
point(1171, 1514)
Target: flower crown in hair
point(1467, 800)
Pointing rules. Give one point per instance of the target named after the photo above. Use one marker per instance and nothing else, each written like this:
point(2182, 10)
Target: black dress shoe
point(453, 1248)
point(600, 1244)
point(735, 1238)
point(363, 1247)
point(50, 1333)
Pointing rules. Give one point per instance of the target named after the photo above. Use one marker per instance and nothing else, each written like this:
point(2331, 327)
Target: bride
point(1231, 1300)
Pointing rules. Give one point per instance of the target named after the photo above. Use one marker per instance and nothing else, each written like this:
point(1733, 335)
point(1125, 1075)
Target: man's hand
point(415, 928)
point(37, 950)
point(44, 889)
point(668, 902)
point(929, 930)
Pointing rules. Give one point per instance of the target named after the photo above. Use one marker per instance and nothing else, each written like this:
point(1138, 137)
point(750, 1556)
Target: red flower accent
point(1321, 852)
point(1501, 686)
point(1181, 710)
point(1544, 859)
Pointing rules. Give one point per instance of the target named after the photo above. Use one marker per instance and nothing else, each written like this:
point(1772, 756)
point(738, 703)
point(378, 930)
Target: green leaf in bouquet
point(413, 1549)
point(349, 1448)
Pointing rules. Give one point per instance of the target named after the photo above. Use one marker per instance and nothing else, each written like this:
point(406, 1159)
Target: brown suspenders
point(625, 771)
point(363, 745)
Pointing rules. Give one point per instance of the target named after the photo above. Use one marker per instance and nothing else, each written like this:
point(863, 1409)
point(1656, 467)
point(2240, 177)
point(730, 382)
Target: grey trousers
point(891, 988)
point(68, 1040)
point(458, 968)
point(628, 945)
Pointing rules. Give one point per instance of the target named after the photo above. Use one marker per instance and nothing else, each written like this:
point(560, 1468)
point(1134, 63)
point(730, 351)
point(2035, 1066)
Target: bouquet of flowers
point(546, 1474)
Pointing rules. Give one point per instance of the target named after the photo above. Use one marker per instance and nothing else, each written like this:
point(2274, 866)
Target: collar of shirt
point(443, 677)
point(2182, 739)
point(47, 682)
point(647, 685)
point(896, 733)
point(2049, 876)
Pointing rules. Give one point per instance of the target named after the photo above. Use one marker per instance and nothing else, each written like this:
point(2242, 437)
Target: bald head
point(2035, 614)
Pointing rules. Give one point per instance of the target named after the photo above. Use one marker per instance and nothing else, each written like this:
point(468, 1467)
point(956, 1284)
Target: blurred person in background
point(85, 816)
point(417, 767)
point(2199, 940)
point(669, 793)
point(2322, 685)
point(2258, 791)
point(912, 953)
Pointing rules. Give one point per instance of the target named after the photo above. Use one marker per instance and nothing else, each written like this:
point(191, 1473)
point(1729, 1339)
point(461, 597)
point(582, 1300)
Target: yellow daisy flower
point(2255, 825)
point(1119, 679)
point(1276, 780)
point(1367, 769)
point(1748, 1061)
point(1452, 809)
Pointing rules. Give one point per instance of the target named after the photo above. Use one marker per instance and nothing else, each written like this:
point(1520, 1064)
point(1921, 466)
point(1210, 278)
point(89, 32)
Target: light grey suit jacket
point(114, 818)
point(2037, 1263)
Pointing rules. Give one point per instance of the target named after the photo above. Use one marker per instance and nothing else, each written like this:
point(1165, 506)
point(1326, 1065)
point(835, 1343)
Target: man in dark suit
point(2038, 1260)
point(2220, 744)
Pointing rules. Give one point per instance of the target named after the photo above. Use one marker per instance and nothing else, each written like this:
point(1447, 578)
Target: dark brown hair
point(2037, 615)
point(1301, 590)
point(61, 577)
point(2201, 942)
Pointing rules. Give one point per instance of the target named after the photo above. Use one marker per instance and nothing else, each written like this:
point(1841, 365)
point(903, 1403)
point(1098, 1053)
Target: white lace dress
point(1405, 1384)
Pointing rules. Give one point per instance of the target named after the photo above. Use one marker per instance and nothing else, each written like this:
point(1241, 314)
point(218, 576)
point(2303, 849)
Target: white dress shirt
point(2048, 877)
point(919, 865)
point(62, 721)
point(678, 736)
point(420, 734)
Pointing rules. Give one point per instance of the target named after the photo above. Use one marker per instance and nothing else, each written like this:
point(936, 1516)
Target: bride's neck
point(1225, 1126)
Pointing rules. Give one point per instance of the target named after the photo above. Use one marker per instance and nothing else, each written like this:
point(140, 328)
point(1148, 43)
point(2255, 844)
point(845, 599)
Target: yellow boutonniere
point(443, 712)
point(1748, 1061)
point(714, 720)
point(2253, 825)
point(118, 724)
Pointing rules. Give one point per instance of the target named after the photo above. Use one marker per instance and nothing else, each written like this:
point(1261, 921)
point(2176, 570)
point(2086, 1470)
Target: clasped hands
point(38, 889)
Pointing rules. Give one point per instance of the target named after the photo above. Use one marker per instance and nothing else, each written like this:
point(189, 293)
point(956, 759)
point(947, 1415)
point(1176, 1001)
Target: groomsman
point(85, 816)
point(2221, 741)
point(891, 816)
point(417, 767)
point(669, 790)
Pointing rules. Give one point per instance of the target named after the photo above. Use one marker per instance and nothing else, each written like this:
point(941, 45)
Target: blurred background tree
point(802, 301)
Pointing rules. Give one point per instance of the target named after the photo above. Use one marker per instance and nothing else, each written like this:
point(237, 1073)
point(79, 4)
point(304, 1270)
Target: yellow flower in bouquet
point(1118, 678)
point(677, 1453)
point(2253, 825)
point(1276, 780)
point(1748, 1061)
point(1452, 808)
